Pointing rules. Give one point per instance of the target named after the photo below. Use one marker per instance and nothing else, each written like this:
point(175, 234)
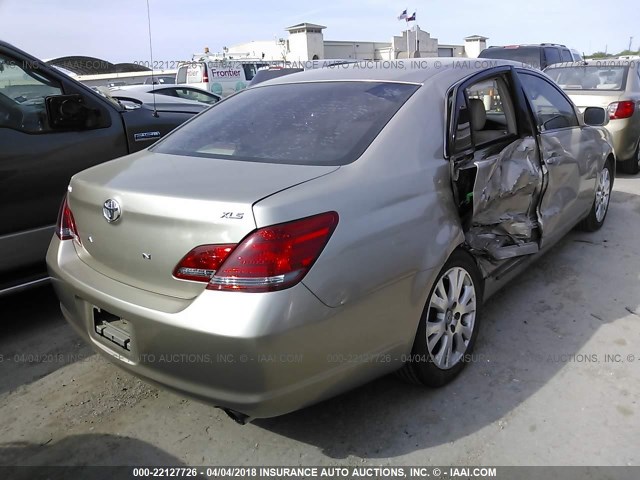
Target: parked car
point(176, 92)
point(317, 231)
point(222, 77)
point(269, 73)
point(614, 85)
point(275, 71)
point(51, 127)
point(537, 56)
point(576, 55)
point(161, 103)
point(160, 80)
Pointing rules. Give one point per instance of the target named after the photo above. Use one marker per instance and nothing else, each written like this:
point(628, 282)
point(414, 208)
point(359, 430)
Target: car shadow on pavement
point(541, 324)
point(93, 450)
point(26, 319)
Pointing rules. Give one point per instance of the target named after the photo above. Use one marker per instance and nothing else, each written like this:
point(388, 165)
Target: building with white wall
point(305, 41)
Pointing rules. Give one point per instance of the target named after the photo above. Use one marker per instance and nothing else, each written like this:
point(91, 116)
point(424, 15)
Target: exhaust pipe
point(239, 418)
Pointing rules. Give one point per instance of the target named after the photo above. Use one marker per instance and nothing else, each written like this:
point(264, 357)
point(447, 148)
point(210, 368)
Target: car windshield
point(527, 55)
point(589, 77)
point(326, 123)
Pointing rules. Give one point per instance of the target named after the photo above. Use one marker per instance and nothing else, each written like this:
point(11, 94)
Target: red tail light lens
point(205, 75)
point(268, 259)
point(202, 262)
point(66, 227)
point(622, 109)
point(276, 257)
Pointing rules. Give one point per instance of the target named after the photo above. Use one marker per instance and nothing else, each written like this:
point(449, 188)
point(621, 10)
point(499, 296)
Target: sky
point(117, 30)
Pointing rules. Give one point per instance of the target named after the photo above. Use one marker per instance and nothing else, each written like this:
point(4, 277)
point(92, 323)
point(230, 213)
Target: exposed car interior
point(492, 114)
point(499, 185)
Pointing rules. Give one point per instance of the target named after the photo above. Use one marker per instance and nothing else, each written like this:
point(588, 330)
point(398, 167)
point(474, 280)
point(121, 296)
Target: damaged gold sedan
point(353, 219)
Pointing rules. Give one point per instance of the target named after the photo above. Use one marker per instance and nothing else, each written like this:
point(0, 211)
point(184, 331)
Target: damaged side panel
point(500, 190)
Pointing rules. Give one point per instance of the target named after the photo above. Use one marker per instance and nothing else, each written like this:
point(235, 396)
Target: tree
point(598, 55)
point(627, 52)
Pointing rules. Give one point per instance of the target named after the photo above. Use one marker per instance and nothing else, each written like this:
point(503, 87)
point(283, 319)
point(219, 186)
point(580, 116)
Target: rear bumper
point(259, 354)
point(625, 134)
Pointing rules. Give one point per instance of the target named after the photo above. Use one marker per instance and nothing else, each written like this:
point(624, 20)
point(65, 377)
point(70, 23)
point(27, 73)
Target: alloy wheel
point(603, 190)
point(451, 318)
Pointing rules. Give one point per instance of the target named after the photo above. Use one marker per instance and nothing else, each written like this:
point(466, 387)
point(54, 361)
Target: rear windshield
point(190, 73)
point(330, 123)
point(527, 55)
point(591, 77)
point(181, 76)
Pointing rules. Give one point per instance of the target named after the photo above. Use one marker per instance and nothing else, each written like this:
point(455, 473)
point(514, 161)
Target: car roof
point(559, 45)
point(603, 62)
point(415, 71)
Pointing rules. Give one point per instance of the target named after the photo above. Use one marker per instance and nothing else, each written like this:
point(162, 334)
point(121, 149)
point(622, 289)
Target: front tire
point(449, 324)
point(600, 207)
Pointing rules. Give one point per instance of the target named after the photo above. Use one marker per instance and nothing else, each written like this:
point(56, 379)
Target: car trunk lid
point(591, 98)
point(168, 205)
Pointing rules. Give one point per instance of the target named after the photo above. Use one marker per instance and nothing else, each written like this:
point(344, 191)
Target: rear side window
point(552, 55)
point(250, 70)
point(491, 110)
point(330, 123)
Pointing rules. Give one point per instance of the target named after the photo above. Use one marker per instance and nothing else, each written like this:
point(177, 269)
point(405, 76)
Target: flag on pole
point(412, 18)
point(403, 15)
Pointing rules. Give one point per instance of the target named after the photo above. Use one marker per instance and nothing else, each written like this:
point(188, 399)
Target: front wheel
point(600, 206)
point(449, 324)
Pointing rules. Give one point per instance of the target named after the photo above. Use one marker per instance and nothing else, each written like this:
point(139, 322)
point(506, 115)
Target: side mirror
point(67, 112)
point(596, 116)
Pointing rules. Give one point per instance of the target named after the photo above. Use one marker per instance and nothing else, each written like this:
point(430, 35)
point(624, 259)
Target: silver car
point(614, 85)
point(174, 91)
point(325, 228)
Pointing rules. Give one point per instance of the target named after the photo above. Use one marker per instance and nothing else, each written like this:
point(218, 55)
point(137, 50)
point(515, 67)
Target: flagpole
point(404, 16)
point(416, 30)
point(407, 20)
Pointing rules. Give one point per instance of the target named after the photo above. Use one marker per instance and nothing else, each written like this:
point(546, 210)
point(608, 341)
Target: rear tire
point(448, 326)
point(632, 166)
point(600, 207)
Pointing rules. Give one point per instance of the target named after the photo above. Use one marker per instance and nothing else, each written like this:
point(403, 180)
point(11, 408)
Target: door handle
point(553, 158)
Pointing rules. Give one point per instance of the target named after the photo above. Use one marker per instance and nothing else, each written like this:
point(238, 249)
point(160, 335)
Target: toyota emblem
point(111, 210)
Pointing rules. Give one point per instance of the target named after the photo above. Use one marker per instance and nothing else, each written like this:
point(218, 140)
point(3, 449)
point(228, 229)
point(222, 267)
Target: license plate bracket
point(113, 328)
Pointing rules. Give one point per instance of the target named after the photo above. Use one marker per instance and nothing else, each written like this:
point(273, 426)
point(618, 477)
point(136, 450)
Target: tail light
point(622, 109)
point(202, 262)
point(205, 75)
point(66, 227)
point(268, 259)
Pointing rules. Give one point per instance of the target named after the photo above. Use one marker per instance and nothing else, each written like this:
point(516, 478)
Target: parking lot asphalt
point(555, 380)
